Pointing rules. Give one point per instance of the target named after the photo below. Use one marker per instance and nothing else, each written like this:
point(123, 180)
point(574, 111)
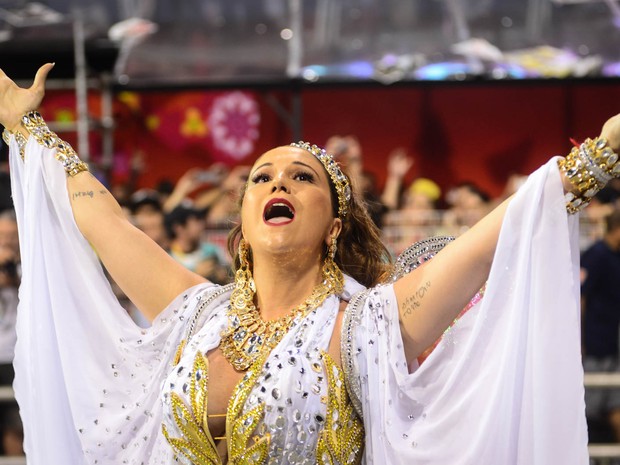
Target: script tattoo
point(89, 194)
point(414, 301)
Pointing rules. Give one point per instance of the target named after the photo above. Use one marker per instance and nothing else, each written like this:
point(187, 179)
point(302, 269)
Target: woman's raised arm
point(145, 272)
point(431, 297)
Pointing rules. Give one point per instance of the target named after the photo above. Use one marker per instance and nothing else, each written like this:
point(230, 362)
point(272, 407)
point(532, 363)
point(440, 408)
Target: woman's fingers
point(611, 132)
point(15, 100)
point(41, 76)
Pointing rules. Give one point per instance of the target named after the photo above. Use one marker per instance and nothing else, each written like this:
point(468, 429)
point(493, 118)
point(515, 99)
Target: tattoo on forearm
point(77, 195)
point(89, 194)
point(414, 301)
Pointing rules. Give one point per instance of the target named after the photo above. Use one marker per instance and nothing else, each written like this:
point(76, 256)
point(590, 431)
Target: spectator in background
point(399, 163)
point(421, 195)
point(185, 226)
point(610, 194)
point(10, 423)
point(145, 200)
point(122, 191)
point(196, 180)
point(374, 205)
point(412, 215)
point(147, 214)
point(468, 204)
point(600, 270)
point(348, 152)
point(215, 191)
point(164, 189)
point(513, 184)
point(222, 204)
point(603, 204)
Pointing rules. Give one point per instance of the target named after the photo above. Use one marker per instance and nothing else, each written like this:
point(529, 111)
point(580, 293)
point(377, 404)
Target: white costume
point(505, 385)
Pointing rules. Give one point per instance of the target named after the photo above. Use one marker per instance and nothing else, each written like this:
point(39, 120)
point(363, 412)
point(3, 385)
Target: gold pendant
point(248, 336)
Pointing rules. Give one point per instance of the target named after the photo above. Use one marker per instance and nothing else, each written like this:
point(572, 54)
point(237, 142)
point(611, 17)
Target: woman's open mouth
point(278, 212)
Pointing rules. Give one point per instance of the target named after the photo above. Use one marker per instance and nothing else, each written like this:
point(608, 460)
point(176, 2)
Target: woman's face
point(287, 205)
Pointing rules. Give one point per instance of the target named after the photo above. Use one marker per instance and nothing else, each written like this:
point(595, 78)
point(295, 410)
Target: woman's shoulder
point(193, 302)
point(200, 302)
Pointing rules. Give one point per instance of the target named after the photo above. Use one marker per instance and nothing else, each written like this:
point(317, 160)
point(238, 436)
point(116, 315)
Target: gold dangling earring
point(333, 248)
point(332, 274)
point(242, 296)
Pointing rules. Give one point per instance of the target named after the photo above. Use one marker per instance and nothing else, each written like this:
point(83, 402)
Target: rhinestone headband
point(341, 183)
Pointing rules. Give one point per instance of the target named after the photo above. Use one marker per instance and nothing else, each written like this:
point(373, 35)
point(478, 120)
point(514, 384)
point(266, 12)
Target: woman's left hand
point(16, 101)
point(611, 132)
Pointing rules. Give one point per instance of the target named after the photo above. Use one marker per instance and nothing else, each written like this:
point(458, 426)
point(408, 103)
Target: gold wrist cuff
point(35, 125)
point(588, 168)
point(19, 138)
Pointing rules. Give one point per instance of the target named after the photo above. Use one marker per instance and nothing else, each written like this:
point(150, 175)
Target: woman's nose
point(278, 184)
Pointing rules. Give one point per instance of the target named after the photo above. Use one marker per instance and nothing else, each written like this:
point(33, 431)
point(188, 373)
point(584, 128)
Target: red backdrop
point(456, 132)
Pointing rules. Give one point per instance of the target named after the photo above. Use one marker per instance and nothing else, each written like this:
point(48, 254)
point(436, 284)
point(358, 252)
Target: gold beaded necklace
point(248, 336)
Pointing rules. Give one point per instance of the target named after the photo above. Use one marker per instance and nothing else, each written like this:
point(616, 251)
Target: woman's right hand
point(16, 101)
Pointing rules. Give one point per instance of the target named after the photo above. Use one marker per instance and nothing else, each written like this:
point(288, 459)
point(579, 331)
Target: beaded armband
point(65, 154)
point(417, 254)
point(589, 168)
point(19, 138)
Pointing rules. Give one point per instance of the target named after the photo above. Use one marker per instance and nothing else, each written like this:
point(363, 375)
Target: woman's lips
point(278, 212)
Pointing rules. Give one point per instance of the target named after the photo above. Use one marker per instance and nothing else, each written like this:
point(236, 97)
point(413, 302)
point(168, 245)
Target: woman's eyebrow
point(306, 165)
point(260, 166)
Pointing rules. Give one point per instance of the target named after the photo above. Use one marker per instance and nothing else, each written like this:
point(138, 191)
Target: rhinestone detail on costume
point(195, 443)
point(342, 437)
point(35, 124)
point(292, 407)
point(248, 337)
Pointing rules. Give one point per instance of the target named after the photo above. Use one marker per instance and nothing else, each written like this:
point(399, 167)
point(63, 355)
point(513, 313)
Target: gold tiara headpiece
point(341, 182)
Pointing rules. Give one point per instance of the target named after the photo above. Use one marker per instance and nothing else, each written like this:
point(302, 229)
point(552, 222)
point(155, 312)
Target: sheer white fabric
point(87, 378)
point(505, 385)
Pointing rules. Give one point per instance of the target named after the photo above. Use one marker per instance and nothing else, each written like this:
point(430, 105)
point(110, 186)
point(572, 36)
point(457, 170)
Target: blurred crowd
point(190, 219)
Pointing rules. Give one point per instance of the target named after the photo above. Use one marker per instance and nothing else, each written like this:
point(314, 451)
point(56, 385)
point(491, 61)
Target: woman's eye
point(262, 177)
point(303, 176)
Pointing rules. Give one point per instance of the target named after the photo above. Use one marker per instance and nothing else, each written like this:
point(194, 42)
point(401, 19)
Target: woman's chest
point(277, 412)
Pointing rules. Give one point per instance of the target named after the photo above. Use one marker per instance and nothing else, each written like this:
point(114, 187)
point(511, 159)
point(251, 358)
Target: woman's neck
point(283, 283)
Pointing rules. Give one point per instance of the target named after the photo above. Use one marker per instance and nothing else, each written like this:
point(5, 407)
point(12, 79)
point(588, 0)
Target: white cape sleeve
point(505, 384)
point(87, 378)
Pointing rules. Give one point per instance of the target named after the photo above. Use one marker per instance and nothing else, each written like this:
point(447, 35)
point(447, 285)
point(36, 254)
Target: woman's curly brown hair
point(360, 252)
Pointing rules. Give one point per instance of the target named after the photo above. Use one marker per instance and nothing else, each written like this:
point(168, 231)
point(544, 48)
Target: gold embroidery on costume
point(179, 352)
point(196, 443)
point(341, 440)
point(241, 426)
